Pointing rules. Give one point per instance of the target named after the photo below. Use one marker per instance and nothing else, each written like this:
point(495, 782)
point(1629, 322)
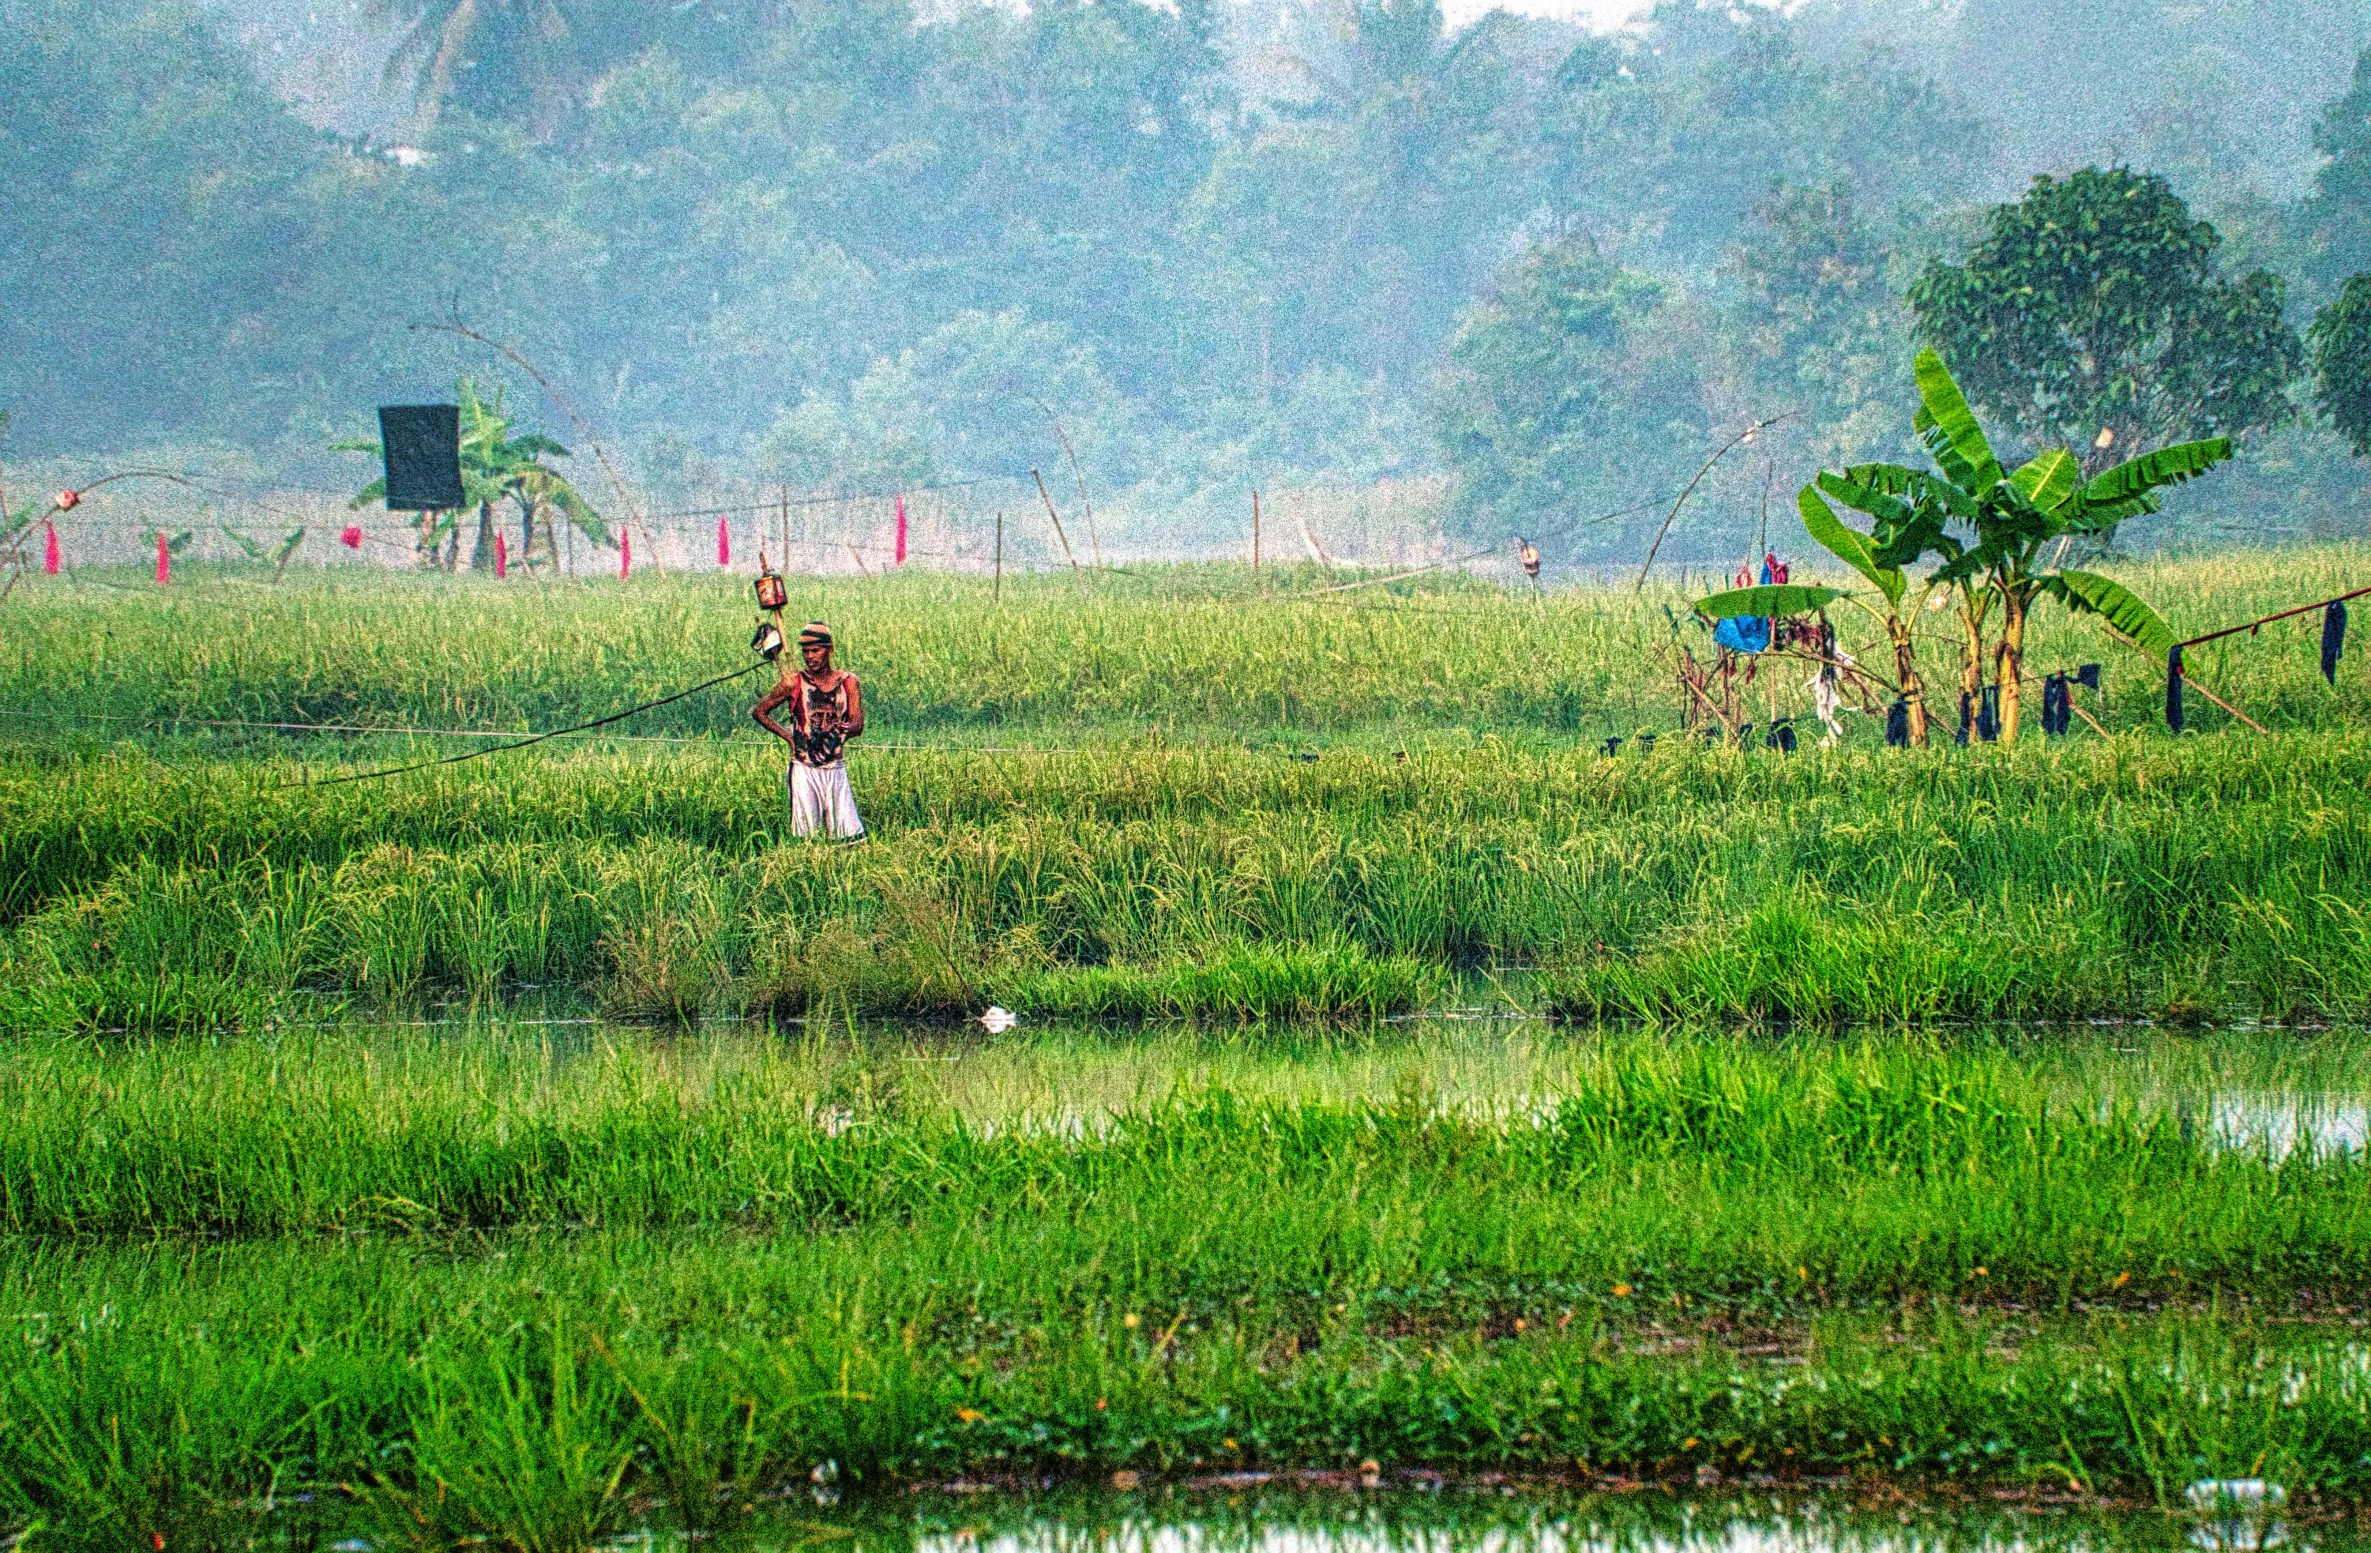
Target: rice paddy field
point(547, 1149)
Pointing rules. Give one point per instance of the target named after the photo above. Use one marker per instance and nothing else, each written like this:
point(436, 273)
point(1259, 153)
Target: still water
point(1504, 1519)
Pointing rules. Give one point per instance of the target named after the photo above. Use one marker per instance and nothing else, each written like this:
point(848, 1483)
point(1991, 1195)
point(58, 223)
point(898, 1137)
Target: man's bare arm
point(855, 707)
point(765, 706)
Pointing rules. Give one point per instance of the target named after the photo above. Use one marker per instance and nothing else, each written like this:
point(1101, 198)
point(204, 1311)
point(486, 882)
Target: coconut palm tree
point(509, 47)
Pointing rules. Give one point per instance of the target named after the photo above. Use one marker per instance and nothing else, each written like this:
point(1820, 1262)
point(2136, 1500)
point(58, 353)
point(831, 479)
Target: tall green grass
point(1199, 652)
point(1710, 1168)
point(2198, 878)
point(509, 1290)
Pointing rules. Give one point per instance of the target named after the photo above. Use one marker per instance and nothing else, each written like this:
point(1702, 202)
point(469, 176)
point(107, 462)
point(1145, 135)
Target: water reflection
point(1500, 1521)
point(2276, 1123)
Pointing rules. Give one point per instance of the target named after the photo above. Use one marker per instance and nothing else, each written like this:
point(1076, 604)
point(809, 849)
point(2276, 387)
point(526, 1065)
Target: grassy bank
point(507, 1287)
point(2196, 878)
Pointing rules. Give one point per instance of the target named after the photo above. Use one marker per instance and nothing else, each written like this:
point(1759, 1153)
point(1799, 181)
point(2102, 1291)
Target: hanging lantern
point(771, 594)
point(351, 536)
point(767, 644)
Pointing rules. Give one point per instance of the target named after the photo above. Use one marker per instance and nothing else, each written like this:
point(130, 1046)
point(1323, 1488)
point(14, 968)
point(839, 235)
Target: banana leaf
point(1919, 485)
point(2090, 593)
point(1951, 432)
point(1848, 545)
point(1780, 598)
point(2049, 479)
point(1881, 506)
point(2153, 471)
point(580, 513)
point(254, 550)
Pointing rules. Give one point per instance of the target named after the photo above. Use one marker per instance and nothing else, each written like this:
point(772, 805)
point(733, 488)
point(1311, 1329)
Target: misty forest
point(1535, 270)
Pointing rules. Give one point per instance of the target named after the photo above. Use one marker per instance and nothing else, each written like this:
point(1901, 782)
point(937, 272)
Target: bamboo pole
point(1057, 517)
point(2189, 680)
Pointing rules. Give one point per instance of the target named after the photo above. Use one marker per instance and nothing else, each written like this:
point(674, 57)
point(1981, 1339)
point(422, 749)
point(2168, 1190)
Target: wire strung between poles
point(520, 744)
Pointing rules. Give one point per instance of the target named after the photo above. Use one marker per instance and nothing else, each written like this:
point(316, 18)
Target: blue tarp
point(1746, 633)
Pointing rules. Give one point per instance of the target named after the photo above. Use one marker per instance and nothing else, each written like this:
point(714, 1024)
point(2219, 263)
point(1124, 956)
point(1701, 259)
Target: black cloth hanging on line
point(2333, 640)
point(1988, 715)
point(1897, 724)
point(2056, 713)
point(2173, 689)
point(1965, 701)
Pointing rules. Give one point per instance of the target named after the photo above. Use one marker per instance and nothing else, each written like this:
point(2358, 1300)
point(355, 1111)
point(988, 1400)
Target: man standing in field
point(826, 711)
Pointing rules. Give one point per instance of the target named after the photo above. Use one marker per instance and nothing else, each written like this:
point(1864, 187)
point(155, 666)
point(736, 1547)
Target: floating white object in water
point(2241, 1509)
point(2234, 1494)
point(998, 1020)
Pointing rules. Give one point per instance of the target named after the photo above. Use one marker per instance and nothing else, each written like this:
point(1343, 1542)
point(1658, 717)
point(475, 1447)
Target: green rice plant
point(565, 1282)
point(1245, 982)
point(2205, 877)
point(1194, 653)
point(866, 1361)
point(526, 1457)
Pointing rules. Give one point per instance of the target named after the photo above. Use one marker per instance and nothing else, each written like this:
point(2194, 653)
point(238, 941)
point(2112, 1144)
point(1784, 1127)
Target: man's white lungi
point(821, 802)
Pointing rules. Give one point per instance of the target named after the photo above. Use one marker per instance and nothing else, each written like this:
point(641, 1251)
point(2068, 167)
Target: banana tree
point(276, 556)
point(1902, 529)
point(496, 467)
point(2006, 520)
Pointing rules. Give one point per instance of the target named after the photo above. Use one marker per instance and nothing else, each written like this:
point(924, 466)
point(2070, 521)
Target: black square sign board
point(422, 443)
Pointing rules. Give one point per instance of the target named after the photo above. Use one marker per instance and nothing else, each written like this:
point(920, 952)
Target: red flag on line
point(164, 559)
point(49, 550)
point(724, 543)
point(501, 558)
point(625, 555)
point(351, 538)
point(901, 528)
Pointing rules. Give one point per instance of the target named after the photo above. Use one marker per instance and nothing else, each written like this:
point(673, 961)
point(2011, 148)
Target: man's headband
point(815, 634)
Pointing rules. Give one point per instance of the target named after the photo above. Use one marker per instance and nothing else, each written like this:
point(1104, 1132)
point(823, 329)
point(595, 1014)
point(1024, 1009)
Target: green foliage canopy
point(2341, 336)
point(1569, 393)
point(2092, 308)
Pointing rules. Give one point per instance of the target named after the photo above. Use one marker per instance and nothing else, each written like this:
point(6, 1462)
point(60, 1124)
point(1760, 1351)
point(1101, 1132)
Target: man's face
point(818, 656)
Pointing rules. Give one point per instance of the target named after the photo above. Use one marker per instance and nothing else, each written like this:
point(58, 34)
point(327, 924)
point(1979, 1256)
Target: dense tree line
point(848, 243)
